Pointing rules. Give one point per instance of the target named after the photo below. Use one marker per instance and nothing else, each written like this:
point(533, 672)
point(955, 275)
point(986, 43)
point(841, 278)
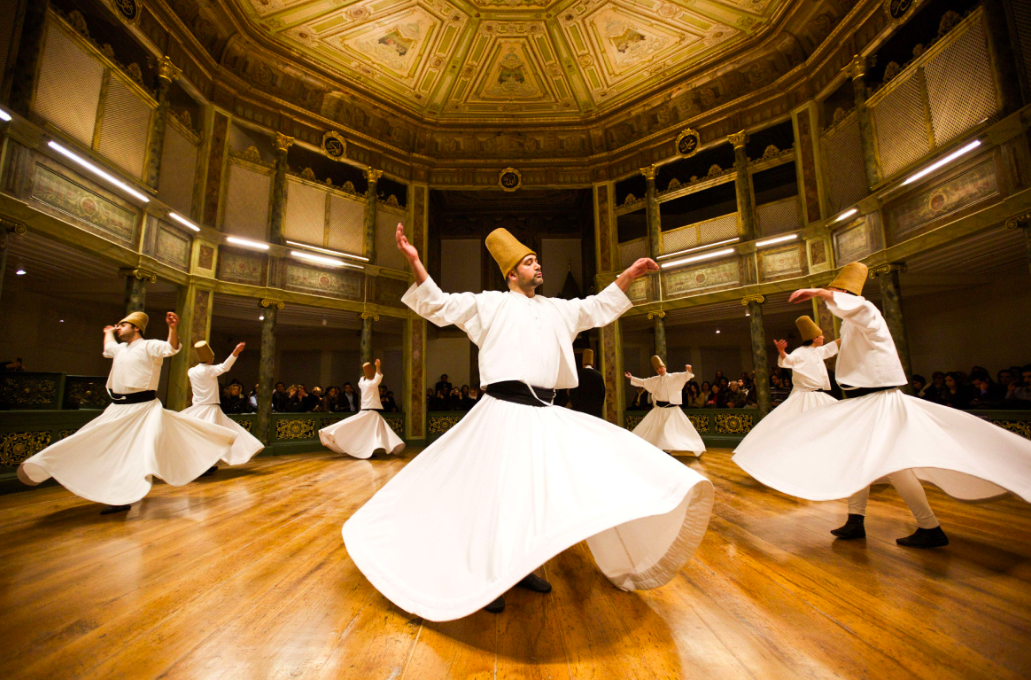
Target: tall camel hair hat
point(506, 249)
point(588, 359)
point(138, 319)
point(808, 328)
point(657, 362)
point(204, 352)
point(369, 370)
point(852, 278)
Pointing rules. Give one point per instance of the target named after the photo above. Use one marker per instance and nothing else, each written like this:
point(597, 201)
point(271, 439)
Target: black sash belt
point(853, 392)
point(372, 409)
point(519, 393)
point(134, 397)
point(666, 404)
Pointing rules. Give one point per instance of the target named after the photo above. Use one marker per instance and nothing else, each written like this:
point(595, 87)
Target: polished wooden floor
point(245, 575)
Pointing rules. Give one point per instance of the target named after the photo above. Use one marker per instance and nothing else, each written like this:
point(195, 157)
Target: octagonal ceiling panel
point(467, 59)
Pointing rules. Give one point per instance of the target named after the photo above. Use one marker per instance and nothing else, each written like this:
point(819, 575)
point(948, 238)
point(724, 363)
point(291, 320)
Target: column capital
point(752, 298)
point(13, 226)
point(856, 68)
point(1021, 221)
point(167, 70)
point(882, 269)
point(373, 175)
point(139, 274)
point(266, 302)
point(657, 315)
point(370, 315)
point(649, 172)
point(738, 139)
point(283, 142)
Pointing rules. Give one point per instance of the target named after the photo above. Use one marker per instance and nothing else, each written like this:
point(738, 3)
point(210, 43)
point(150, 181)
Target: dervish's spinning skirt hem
point(511, 486)
point(670, 430)
point(799, 402)
point(361, 435)
point(836, 450)
point(246, 445)
point(113, 458)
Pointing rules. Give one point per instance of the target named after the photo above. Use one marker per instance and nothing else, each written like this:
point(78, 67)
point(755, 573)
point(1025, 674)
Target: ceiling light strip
point(327, 251)
point(779, 239)
point(698, 258)
point(697, 248)
point(247, 243)
point(944, 161)
point(183, 221)
point(98, 171)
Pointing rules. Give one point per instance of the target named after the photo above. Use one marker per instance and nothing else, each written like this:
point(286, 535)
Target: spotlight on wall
point(327, 251)
point(261, 318)
point(247, 243)
point(4, 116)
point(20, 272)
point(779, 239)
point(323, 260)
point(698, 258)
point(717, 331)
point(697, 248)
point(845, 215)
point(98, 171)
point(183, 221)
point(944, 161)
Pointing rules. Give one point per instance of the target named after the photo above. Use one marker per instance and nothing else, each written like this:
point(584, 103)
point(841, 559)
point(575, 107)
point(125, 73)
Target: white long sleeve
point(868, 357)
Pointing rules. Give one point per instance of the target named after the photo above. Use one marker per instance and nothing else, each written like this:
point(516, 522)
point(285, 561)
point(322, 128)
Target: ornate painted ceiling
point(531, 59)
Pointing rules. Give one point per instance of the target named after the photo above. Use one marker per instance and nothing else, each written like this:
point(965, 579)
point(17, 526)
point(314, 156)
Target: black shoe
point(853, 528)
point(210, 471)
point(535, 583)
point(925, 538)
point(112, 509)
point(497, 606)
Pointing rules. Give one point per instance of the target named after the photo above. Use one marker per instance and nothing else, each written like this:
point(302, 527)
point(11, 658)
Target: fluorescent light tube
point(4, 116)
point(945, 161)
point(779, 239)
point(845, 215)
point(247, 243)
point(707, 245)
point(697, 258)
point(96, 170)
point(321, 259)
point(328, 251)
point(183, 221)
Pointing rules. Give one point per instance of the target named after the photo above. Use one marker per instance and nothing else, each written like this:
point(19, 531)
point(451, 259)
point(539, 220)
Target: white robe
point(668, 428)
point(364, 434)
point(809, 375)
point(206, 407)
point(113, 458)
point(510, 486)
point(836, 450)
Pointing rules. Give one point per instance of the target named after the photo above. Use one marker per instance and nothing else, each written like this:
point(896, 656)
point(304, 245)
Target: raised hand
point(804, 294)
point(239, 348)
point(781, 345)
point(109, 329)
point(172, 319)
point(406, 248)
point(377, 364)
point(627, 374)
point(688, 367)
point(644, 265)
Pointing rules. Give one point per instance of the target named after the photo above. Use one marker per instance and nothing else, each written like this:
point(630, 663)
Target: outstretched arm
point(172, 319)
point(379, 371)
point(230, 360)
point(411, 254)
point(109, 341)
point(643, 266)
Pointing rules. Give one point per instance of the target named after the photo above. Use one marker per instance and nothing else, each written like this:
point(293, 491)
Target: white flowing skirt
point(511, 486)
point(112, 458)
point(835, 450)
point(670, 430)
point(361, 435)
point(246, 446)
point(795, 405)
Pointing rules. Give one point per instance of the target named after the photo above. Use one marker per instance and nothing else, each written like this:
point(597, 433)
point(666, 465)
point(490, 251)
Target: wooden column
point(1001, 50)
point(370, 214)
point(282, 144)
point(30, 50)
point(760, 363)
point(1022, 222)
point(743, 184)
point(887, 276)
point(266, 370)
point(136, 288)
point(857, 71)
point(194, 307)
point(167, 72)
point(414, 400)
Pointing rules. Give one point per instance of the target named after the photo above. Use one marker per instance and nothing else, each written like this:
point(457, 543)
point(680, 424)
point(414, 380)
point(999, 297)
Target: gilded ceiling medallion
point(688, 143)
point(899, 10)
point(129, 10)
point(334, 145)
point(510, 179)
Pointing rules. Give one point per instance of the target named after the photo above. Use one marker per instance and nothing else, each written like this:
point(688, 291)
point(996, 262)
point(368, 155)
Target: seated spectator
point(714, 397)
point(735, 396)
point(454, 400)
point(390, 399)
point(331, 402)
point(935, 391)
point(349, 400)
point(1019, 391)
point(987, 393)
point(918, 384)
point(1004, 377)
point(468, 401)
point(443, 385)
point(694, 396)
point(430, 398)
point(705, 392)
point(752, 399)
point(956, 393)
point(295, 398)
point(234, 401)
point(718, 380)
point(313, 401)
point(642, 400)
point(778, 393)
point(440, 401)
point(279, 398)
point(252, 400)
point(385, 401)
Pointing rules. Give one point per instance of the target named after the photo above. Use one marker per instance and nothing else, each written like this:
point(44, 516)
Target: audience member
point(443, 385)
point(350, 400)
point(234, 401)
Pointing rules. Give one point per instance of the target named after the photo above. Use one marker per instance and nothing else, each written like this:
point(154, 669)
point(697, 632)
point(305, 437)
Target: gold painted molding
point(13, 226)
point(899, 267)
point(373, 175)
point(737, 139)
point(649, 172)
point(856, 68)
point(656, 315)
point(283, 142)
point(1021, 221)
point(167, 70)
point(752, 298)
point(278, 304)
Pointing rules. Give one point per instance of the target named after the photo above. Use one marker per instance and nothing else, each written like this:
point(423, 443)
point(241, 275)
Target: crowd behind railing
point(297, 399)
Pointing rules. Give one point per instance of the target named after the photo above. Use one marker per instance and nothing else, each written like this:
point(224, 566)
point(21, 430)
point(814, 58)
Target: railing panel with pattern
point(699, 234)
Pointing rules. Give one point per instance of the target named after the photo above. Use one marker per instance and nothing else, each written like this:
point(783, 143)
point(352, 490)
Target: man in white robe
point(666, 426)
point(113, 458)
point(808, 375)
point(838, 450)
point(518, 480)
point(207, 402)
point(364, 434)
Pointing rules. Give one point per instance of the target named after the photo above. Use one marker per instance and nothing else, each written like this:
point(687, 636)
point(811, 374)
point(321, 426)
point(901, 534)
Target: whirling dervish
point(666, 426)
point(207, 403)
point(364, 434)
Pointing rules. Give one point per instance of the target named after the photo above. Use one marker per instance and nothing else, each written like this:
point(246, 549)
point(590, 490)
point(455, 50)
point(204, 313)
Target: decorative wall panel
point(124, 127)
point(342, 284)
point(901, 126)
point(240, 267)
point(387, 254)
point(173, 247)
point(68, 93)
point(852, 243)
point(178, 170)
point(631, 251)
point(346, 224)
point(305, 213)
point(960, 85)
point(782, 263)
point(683, 282)
point(843, 158)
point(906, 218)
point(807, 160)
point(248, 194)
point(710, 231)
point(75, 200)
point(778, 217)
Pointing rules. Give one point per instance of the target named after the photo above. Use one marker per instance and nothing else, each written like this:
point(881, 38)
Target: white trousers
point(912, 492)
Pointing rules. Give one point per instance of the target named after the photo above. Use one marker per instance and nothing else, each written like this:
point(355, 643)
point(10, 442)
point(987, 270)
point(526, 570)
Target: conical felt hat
point(808, 328)
point(204, 352)
point(138, 319)
point(369, 370)
point(851, 278)
point(506, 249)
point(657, 362)
point(588, 357)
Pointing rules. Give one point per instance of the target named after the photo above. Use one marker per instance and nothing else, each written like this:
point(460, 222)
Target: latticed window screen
point(124, 128)
point(843, 158)
point(305, 219)
point(901, 127)
point(1022, 19)
point(960, 86)
point(777, 217)
point(387, 254)
point(247, 203)
point(346, 225)
point(710, 231)
point(69, 87)
point(178, 171)
point(631, 251)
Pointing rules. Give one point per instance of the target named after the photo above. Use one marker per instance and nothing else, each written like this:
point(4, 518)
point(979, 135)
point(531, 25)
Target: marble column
point(194, 309)
point(654, 250)
point(887, 277)
point(136, 288)
point(857, 71)
point(1001, 49)
point(366, 346)
point(30, 49)
point(282, 145)
point(659, 328)
point(611, 366)
point(266, 370)
point(7, 227)
point(743, 184)
point(1022, 222)
point(370, 214)
point(754, 303)
point(167, 72)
